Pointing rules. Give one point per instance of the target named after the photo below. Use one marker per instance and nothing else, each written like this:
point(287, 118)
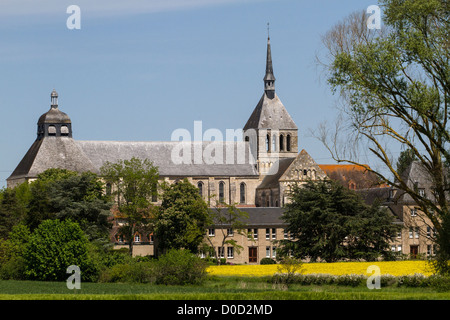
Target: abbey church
point(255, 173)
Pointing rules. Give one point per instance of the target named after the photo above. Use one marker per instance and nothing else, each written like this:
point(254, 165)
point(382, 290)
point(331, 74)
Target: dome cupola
point(54, 123)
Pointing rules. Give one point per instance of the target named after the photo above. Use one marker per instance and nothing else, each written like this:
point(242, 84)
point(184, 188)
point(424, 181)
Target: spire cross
point(268, 30)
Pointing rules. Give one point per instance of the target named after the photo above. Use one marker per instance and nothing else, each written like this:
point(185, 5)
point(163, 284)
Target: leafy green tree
point(81, 198)
point(12, 265)
point(134, 185)
point(55, 245)
point(12, 210)
point(39, 202)
point(63, 194)
point(182, 219)
point(330, 222)
point(395, 88)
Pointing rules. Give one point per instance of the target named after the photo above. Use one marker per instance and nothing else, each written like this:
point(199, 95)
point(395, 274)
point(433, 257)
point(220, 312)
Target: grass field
point(239, 282)
point(215, 288)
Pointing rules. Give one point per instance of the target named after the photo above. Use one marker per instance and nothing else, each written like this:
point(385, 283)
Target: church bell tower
point(270, 130)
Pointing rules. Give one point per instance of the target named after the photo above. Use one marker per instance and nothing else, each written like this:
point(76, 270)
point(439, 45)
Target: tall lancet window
point(200, 188)
point(268, 143)
point(221, 191)
point(288, 142)
point(242, 193)
point(281, 142)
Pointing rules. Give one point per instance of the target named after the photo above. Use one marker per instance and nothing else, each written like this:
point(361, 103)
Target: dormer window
point(64, 131)
point(51, 130)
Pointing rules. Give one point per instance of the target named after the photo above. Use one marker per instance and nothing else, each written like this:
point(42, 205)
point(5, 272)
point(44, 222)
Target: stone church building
point(255, 173)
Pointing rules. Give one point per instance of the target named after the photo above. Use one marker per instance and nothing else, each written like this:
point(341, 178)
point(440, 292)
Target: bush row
point(354, 280)
point(176, 267)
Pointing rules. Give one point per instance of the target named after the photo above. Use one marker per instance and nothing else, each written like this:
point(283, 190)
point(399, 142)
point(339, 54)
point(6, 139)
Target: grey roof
point(417, 176)
point(51, 152)
point(370, 195)
point(178, 158)
point(270, 114)
point(203, 158)
point(54, 115)
point(271, 180)
point(175, 158)
point(263, 216)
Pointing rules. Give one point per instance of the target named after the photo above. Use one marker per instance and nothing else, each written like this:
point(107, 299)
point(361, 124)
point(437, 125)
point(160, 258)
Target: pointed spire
point(269, 78)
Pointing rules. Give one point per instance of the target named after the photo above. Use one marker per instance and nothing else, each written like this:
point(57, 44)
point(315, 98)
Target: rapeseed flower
point(394, 268)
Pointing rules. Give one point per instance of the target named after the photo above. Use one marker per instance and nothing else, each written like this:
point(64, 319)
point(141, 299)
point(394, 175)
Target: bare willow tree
point(394, 87)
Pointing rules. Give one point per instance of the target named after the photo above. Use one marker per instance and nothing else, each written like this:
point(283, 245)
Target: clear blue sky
point(138, 70)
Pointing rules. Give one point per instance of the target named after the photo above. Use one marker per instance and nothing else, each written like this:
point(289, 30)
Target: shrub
point(179, 267)
point(135, 272)
point(352, 280)
point(290, 266)
point(267, 261)
point(439, 282)
point(12, 264)
point(416, 280)
point(13, 269)
point(54, 246)
point(387, 280)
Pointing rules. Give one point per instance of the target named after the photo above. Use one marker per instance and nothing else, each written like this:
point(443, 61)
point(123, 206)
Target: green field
point(217, 288)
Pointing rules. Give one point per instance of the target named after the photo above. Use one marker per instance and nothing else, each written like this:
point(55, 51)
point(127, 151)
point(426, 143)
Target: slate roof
point(234, 158)
point(271, 180)
point(52, 152)
point(416, 173)
point(54, 115)
point(228, 158)
point(270, 114)
point(263, 216)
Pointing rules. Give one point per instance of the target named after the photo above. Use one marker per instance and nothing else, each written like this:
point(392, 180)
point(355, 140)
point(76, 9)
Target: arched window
point(137, 237)
point(274, 143)
point(281, 142)
point(200, 188)
point(51, 130)
point(64, 131)
point(288, 142)
point(221, 191)
point(242, 192)
point(268, 143)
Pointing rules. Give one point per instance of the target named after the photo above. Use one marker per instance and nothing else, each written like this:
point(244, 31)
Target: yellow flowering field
point(394, 268)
